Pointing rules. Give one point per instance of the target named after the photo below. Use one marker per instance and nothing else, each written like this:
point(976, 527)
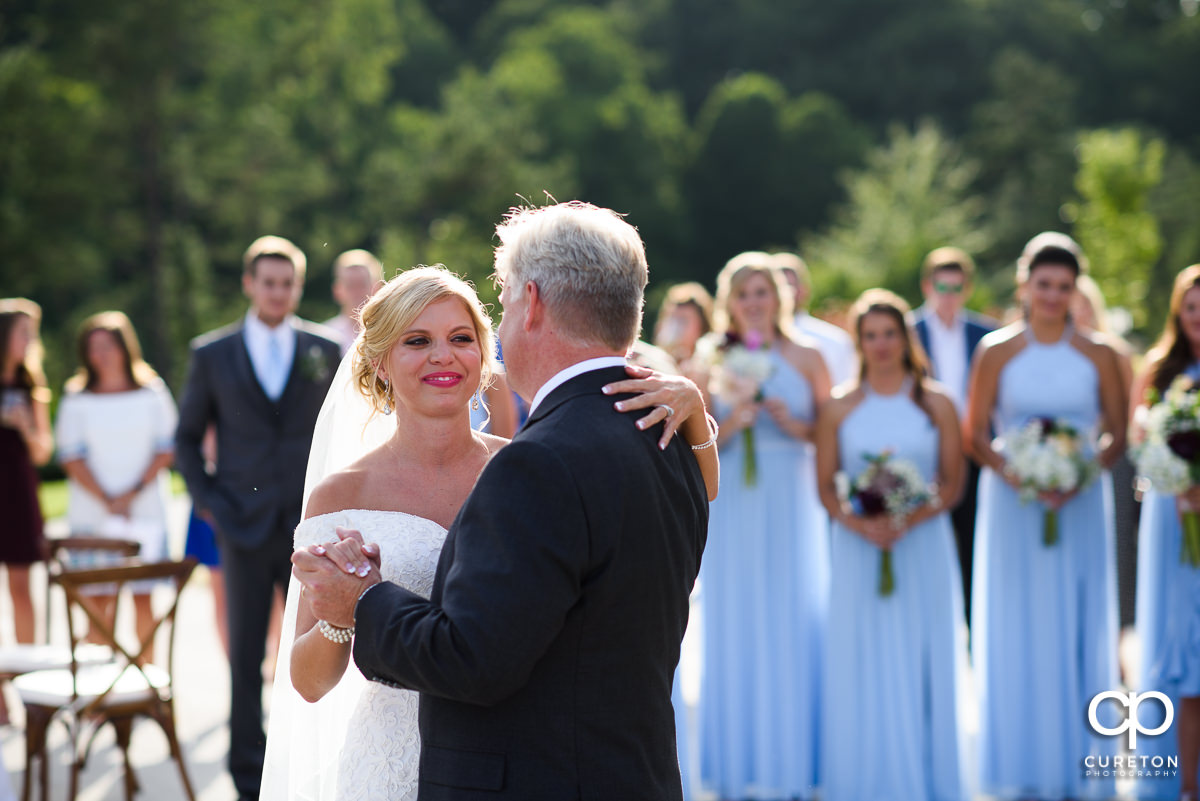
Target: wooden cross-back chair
point(20, 658)
point(85, 696)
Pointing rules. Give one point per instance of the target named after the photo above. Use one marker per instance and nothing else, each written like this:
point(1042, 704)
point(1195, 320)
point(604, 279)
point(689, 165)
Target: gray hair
point(589, 266)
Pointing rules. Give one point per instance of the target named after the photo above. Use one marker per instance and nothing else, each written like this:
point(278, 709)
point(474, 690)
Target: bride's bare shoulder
point(338, 491)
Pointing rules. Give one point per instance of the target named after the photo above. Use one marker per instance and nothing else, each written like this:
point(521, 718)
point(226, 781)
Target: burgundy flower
point(1185, 445)
point(872, 502)
point(1048, 425)
point(731, 338)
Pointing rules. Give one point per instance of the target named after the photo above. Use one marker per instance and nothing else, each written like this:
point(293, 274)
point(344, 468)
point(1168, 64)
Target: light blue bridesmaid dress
point(895, 664)
point(1044, 626)
point(764, 585)
point(1168, 627)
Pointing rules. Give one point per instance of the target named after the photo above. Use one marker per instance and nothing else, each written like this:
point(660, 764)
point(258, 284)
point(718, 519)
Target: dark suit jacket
point(262, 446)
point(975, 325)
point(546, 653)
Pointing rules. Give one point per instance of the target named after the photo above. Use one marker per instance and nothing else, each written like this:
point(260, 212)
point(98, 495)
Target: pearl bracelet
point(335, 633)
point(705, 446)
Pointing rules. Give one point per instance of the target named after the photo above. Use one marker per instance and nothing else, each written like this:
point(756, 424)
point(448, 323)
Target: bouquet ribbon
point(1190, 554)
point(1050, 528)
point(887, 579)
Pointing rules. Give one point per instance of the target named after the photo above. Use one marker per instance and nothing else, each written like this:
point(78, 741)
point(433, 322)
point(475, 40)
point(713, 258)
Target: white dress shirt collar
point(259, 336)
point(579, 368)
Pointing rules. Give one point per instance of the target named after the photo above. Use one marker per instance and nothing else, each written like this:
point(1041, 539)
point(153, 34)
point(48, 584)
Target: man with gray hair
point(546, 651)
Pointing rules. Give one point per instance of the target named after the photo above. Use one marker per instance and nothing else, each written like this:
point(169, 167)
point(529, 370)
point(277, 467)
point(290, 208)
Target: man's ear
point(535, 309)
point(247, 284)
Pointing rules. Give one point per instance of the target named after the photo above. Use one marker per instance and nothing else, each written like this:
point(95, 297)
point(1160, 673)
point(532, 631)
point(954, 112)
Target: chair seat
point(55, 688)
point(18, 659)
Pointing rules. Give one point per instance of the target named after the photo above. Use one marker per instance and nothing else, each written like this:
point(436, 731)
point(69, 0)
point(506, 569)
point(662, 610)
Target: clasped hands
point(334, 575)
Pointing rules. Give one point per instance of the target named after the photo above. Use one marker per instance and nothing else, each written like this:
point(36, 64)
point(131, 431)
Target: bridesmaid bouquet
point(1048, 455)
point(1170, 458)
point(886, 486)
point(742, 365)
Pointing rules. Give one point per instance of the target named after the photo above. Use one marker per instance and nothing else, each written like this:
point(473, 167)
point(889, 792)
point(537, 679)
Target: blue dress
point(1168, 627)
point(1044, 626)
point(895, 664)
point(764, 595)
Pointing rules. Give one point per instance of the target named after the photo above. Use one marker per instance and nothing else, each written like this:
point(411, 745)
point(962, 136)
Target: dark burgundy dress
point(21, 530)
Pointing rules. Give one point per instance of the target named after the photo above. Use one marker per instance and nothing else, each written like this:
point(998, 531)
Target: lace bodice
point(381, 753)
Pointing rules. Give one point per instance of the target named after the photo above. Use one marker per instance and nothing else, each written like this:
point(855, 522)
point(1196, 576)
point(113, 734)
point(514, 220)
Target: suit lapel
point(298, 353)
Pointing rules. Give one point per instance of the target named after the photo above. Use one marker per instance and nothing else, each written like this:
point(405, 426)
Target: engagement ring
point(670, 411)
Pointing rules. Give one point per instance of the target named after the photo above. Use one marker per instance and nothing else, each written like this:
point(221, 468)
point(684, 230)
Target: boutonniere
point(314, 366)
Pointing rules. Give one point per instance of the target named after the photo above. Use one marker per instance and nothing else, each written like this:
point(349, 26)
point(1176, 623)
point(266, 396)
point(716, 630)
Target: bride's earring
point(387, 397)
point(475, 401)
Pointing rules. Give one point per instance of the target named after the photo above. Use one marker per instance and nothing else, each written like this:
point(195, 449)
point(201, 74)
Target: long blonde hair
point(390, 312)
point(29, 371)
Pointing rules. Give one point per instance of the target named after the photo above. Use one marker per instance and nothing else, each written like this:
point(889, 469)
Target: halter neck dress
point(1044, 626)
point(764, 595)
point(895, 663)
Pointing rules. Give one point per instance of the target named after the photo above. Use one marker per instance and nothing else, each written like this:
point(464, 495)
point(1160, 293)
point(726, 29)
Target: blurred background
point(143, 145)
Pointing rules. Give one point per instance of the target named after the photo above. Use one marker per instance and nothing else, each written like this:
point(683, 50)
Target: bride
point(425, 350)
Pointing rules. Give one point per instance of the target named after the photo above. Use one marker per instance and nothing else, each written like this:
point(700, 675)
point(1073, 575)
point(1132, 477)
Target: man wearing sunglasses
point(949, 335)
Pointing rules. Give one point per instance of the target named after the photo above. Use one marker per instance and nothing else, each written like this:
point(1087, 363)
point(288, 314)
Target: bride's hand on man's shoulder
point(672, 399)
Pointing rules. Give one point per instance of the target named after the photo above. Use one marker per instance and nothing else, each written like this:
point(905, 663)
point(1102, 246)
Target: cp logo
point(1131, 722)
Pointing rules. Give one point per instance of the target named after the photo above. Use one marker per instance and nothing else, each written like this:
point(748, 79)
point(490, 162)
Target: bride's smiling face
point(434, 366)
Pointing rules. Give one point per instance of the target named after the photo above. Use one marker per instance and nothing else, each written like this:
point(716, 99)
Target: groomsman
point(949, 335)
point(357, 275)
point(260, 383)
point(835, 345)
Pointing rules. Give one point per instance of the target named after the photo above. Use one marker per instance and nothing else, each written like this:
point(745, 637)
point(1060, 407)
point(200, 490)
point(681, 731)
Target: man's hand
point(333, 576)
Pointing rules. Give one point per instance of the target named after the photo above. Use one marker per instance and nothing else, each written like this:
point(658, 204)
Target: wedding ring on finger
point(670, 411)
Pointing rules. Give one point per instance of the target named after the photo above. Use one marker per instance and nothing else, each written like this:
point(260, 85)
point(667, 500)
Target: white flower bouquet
point(740, 367)
point(886, 486)
point(1048, 455)
point(1170, 457)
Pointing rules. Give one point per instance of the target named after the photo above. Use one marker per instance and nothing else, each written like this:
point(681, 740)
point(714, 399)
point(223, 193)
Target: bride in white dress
point(399, 479)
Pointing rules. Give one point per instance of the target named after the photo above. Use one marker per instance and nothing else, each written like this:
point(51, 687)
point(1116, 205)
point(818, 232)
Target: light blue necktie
point(276, 377)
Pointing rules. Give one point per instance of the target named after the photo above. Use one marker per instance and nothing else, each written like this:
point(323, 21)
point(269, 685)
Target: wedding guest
point(683, 318)
point(834, 343)
point(115, 433)
point(201, 543)
point(765, 573)
point(260, 382)
point(357, 275)
point(895, 655)
point(25, 441)
point(1044, 618)
point(1168, 587)
point(1089, 310)
point(949, 335)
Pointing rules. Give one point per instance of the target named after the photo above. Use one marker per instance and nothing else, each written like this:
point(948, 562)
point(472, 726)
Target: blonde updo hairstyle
point(393, 309)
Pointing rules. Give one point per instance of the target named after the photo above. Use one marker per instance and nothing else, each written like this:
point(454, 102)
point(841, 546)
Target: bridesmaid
point(894, 664)
point(765, 574)
point(1044, 625)
point(1168, 591)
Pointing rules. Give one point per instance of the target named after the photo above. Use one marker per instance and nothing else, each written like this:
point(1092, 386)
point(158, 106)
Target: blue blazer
point(976, 327)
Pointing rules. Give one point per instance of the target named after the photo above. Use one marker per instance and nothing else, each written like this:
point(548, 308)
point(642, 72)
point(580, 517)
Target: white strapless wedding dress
point(380, 753)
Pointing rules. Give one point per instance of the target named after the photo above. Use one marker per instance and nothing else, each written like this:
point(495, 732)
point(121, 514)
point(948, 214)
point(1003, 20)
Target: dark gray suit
point(254, 497)
point(546, 653)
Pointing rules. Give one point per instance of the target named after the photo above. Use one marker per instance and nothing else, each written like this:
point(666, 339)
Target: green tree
point(1113, 221)
point(914, 194)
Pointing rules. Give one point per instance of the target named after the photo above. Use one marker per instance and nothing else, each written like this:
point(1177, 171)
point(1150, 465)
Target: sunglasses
point(947, 289)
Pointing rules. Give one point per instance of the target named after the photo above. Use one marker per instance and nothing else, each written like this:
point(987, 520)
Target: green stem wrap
point(1050, 528)
point(887, 579)
point(751, 460)
point(1191, 539)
